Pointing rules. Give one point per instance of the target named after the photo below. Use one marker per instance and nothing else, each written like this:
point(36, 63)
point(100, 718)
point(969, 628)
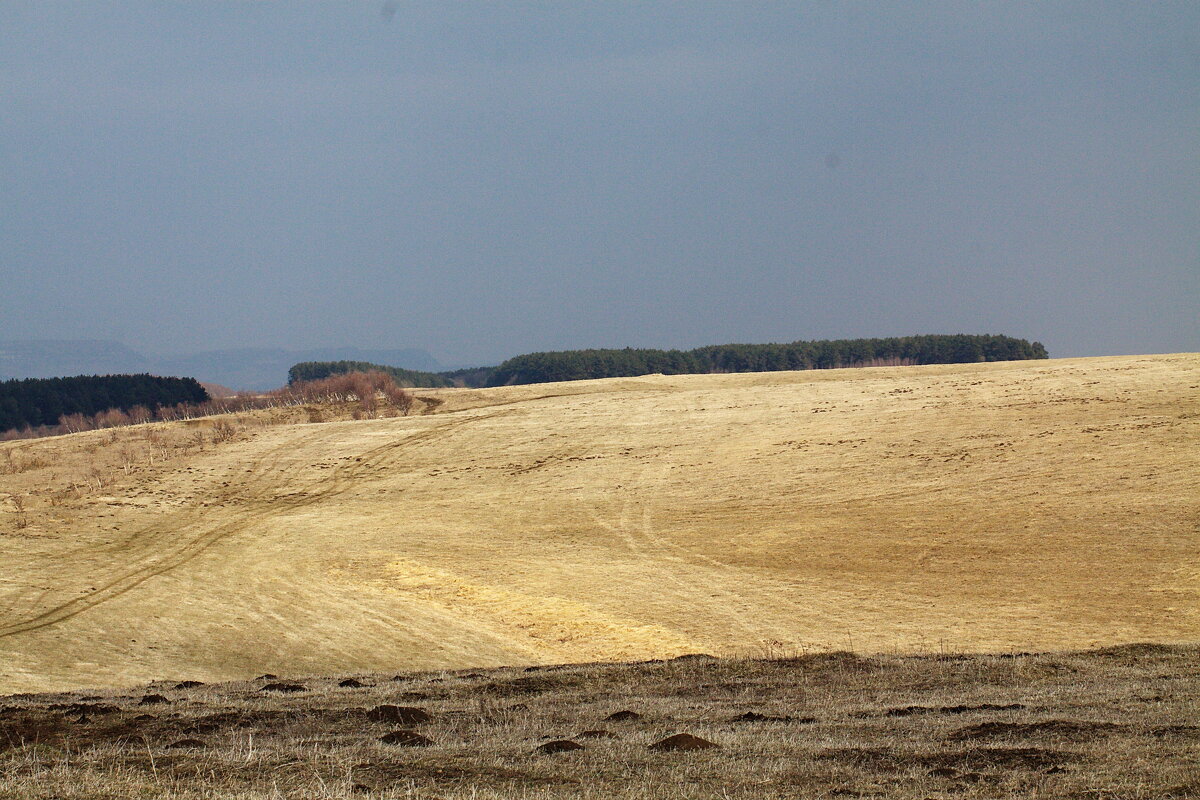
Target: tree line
point(574, 365)
point(371, 393)
point(828, 354)
point(36, 402)
point(319, 370)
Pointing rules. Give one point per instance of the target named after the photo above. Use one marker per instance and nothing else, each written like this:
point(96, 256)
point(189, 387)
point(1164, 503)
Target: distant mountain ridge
point(47, 358)
point(248, 368)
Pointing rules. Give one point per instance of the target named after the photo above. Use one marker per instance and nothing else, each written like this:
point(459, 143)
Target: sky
point(481, 180)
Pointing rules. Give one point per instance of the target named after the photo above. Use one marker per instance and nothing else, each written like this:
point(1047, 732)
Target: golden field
point(1041, 505)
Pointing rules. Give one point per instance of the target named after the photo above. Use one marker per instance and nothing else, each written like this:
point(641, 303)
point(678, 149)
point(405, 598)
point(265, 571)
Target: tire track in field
point(140, 545)
point(344, 478)
point(723, 602)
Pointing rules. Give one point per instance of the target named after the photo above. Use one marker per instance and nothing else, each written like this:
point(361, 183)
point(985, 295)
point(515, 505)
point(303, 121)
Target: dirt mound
point(623, 716)
point(683, 741)
point(401, 715)
point(1073, 730)
point(397, 776)
point(523, 686)
point(243, 719)
point(94, 709)
point(406, 739)
point(835, 660)
point(980, 707)
point(31, 728)
point(284, 687)
point(1136, 650)
point(1164, 731)
point(754, 716)
point(152, 700)
point(118, 733)
point(351, 683)
point(907, 711)
point(558, 746)
point(1024, 758)
point(889, 760)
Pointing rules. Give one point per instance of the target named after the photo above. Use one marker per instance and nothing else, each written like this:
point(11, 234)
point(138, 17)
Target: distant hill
point(44, 358)
point(253, 368)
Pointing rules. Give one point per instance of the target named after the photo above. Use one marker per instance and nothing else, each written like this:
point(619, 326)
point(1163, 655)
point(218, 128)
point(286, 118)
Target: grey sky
point(486, 179)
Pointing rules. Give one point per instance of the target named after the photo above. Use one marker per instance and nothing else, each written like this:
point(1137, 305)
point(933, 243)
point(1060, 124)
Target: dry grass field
point(1105, 724)
point(1024, 506)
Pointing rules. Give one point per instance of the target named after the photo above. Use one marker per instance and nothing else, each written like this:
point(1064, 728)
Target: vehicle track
point(345, 476)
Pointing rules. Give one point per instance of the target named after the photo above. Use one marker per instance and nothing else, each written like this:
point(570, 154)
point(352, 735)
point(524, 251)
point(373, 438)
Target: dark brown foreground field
point(1098, 725)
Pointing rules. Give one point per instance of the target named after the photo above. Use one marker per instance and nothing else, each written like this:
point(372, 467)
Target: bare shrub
point(74, 423)
point(15, 463)
point(21, 520)
point(224, 431)
point(112, 418)
point(399, 398)
point(362, 386)
point(126, 456)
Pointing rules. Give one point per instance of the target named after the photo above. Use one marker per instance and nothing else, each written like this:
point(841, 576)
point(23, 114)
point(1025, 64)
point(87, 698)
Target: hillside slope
point(1021, 505)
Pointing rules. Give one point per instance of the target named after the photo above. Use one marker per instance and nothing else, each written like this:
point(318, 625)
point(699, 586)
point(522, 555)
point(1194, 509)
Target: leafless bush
point(363, 388)
point(98, 477)
point(367, 389)
point(74, 423)
point(126, 456)
point(21, 520)
point(14, 463)
point(112, 418)
point(224, 431)
point(399, 398)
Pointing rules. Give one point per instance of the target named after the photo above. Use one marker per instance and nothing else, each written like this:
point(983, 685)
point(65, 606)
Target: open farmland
point(1043, 505)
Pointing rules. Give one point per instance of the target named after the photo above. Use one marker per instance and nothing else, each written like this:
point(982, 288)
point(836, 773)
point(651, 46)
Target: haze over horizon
point(480, 181)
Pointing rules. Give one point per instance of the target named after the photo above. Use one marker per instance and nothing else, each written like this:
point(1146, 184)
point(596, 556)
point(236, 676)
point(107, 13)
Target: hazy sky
point(486, 179)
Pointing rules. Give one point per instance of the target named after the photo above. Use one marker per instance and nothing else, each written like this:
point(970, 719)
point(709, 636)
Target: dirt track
point(1028, 505)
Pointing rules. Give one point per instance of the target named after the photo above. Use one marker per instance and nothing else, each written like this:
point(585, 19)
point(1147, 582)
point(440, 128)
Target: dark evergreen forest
point(829, 354)
point(573, 365)
point(32, 402)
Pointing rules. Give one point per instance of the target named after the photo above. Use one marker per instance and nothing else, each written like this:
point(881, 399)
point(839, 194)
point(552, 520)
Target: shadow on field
point(1072, 725)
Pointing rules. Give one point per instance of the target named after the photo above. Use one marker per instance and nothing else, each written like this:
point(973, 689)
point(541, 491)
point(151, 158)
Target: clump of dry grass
point(1118, 722)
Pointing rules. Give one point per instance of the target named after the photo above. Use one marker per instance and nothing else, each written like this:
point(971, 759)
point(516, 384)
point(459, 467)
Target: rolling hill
point(1002, 506)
